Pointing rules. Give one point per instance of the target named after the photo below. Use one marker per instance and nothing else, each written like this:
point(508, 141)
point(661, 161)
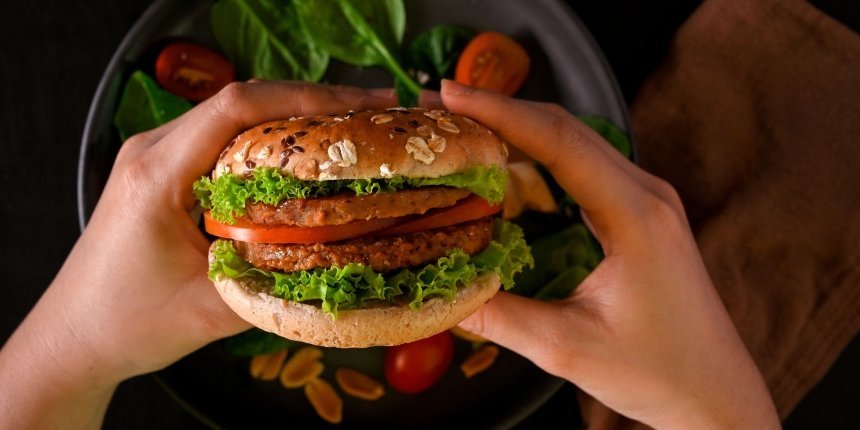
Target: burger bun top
point(404, 142)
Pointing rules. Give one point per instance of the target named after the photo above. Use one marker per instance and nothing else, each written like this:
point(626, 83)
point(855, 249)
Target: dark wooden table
point(52, 55)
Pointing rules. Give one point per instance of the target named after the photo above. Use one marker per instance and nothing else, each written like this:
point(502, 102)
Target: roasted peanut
point(358, 384)
point(266, 367)
point(325, 400)
point(480, 360)
point(302, 367)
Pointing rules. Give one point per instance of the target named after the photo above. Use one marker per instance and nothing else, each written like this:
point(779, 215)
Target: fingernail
point(429, 98)
point(381, 93)
point(455, 88)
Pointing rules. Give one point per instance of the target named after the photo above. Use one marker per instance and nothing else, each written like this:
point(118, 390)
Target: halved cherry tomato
point(249, 232)
point(416, 366)
point(495, 62)
point(192, 71)
point(468, 209)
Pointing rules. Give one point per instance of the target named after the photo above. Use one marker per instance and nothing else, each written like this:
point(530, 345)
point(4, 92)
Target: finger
point(190, 149)
point(142, 141)
point(528, 327)
point(383, 93)
point(566, 146)
point(654, 184)
point(430, 99)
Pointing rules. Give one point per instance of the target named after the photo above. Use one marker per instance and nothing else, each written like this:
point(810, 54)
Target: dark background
point(51, 59)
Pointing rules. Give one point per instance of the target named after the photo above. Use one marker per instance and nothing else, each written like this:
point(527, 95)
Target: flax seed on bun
point(408, 142)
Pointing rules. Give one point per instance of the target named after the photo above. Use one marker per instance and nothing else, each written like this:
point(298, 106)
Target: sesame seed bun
point(372, 144)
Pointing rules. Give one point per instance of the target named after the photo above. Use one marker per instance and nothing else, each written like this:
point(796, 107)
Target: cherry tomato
point(414, 367)
point(495, 62)
point(192, 71)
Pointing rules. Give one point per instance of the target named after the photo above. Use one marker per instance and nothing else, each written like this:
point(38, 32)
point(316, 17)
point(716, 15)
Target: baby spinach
point(614, 135)
point(555, 256)
point(431, 56)
point(361, 33)
point(266, 39)
point(256, 342)
point(562, 285)
point(144, 106)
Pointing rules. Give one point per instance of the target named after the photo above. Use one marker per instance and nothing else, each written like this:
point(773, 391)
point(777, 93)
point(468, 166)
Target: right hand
point(646, 333)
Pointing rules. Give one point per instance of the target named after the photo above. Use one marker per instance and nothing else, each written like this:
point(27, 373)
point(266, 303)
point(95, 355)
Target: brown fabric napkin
point(755, 118)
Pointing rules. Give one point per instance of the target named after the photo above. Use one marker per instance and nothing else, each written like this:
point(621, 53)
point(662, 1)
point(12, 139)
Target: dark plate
point(567, 68)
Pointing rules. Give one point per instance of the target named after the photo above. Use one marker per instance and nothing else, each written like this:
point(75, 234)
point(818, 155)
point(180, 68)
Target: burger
point(362, 229)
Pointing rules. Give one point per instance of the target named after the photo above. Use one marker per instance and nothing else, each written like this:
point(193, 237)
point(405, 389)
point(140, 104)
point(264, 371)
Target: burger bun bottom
point(382, 325)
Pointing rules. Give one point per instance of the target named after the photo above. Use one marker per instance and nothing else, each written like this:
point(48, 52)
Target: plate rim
point(558, 7)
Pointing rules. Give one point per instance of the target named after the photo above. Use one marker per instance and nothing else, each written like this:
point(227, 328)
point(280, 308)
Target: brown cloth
point(754, 117)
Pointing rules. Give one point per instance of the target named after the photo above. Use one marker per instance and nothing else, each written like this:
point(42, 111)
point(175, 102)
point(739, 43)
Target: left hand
point(133, 295)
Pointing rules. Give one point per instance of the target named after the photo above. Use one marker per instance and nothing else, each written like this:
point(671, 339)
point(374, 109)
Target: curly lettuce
point(354, 285)
point(227, 195)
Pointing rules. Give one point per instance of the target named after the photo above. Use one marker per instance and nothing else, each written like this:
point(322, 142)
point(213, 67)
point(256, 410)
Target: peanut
point(358, 384)
point(480, 360)
point(266, 367)
point(325, 400)
point(302, 367)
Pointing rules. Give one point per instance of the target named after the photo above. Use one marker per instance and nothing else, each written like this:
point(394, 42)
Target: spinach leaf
point(432, 56)
point(434, 53)
point(266, 39)
point(562, 285)
point(144, 106)
point(359, 32)
point(554, 255)
point(614, 135)
point(256, 342)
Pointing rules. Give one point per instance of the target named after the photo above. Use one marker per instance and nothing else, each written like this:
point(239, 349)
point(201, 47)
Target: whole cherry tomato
point(414, 367)
point(192, 71)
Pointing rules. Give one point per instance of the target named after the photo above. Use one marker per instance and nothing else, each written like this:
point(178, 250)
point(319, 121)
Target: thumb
point(534, 329)
point(212, 318)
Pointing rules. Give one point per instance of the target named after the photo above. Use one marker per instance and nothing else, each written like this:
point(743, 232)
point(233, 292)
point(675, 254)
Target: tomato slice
point(192, 71)
point(468, 209)
point(495, 62)
point(416, 366)
point(249, 232)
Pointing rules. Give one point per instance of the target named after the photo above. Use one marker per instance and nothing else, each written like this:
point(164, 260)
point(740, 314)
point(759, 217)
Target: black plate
point(567, 68)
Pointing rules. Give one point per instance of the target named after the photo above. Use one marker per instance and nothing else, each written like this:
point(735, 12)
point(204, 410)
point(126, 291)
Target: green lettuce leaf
point(488, 182)
point(352, 286)
point(507, 254)
point(226, 196)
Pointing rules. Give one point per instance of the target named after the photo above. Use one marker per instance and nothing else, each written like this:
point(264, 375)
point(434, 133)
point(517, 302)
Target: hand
point(133, 295)
point(645, 333)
